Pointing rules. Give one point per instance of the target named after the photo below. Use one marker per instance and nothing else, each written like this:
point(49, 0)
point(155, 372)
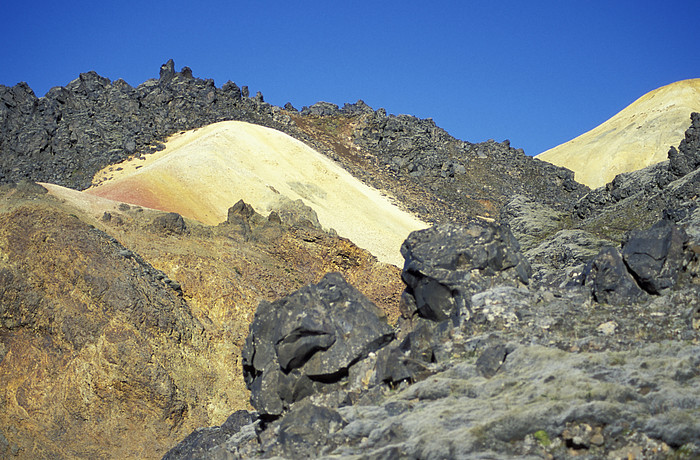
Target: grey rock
point(307, 428)
point(305, 343)
point(295, 213)
point(655, 256)
point(610, 282)
point(167, 70)
point(321, 109)
point(200, 442)
point(446, 264)
point(492, 359)
point(170, 223)
point(240, 210)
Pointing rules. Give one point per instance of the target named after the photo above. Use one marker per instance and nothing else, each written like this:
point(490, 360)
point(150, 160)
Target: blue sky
point(538, 73)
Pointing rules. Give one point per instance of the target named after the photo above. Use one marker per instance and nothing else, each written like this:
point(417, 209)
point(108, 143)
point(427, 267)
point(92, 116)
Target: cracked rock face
point(448, 263)
point(304, 343)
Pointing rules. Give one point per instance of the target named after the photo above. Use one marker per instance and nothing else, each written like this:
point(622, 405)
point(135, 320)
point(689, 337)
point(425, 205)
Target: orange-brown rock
point(113, 330)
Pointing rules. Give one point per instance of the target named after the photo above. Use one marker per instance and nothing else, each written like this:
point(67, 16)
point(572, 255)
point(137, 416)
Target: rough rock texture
point(434, 175)
point(640, 198)
point(306, 342)
point(531, 374)
point(96, 341)
point(69, 134)
point(609, 280)
point(655, 256)
point(122, 331)
point(446, 264)
point(118, 338)
point(597, 362)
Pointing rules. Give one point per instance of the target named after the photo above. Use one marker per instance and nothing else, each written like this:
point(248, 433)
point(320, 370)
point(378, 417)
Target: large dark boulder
point(410, 359)
point(304, 343)
point(201, 442)
point(655, 256)
point(445, 265)
point(306, 431)
point(170, 223)
point(610, 282)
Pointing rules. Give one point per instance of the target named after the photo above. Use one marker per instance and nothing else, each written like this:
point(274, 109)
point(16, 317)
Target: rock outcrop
point(493, 385)
point(123, 330)
point(72, 132)
point(306, 342)
point(597, 361)
point(120, 336)
point(447, 264)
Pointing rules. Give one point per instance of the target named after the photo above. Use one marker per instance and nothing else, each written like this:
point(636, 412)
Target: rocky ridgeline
point(485, 363)
point(670, 185)
point(435, 175)
point(69, 134)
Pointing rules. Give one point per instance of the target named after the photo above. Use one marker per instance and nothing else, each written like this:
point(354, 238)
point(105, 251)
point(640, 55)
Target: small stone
point(608, 328)
point(597, 439)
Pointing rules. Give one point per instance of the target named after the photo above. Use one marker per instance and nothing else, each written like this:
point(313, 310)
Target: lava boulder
point(655, 256)
point(446, 264)
point(608, 279)
point(305, 343)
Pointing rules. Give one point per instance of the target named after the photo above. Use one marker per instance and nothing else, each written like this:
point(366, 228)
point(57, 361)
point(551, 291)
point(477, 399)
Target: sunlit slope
point(638, 136)
point(203, 172)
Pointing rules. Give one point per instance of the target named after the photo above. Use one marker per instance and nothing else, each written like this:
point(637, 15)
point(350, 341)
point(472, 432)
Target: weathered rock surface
point(639, 199)
point(609, 280)
point(118, 338)
point(130, 326)
point(306, 342)
point(446, 264)
point(72, 132)
point(494, 386)
point(655, 256)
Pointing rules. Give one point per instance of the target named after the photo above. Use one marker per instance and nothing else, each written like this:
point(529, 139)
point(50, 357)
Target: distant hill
point(638, 136)
point(202, 172)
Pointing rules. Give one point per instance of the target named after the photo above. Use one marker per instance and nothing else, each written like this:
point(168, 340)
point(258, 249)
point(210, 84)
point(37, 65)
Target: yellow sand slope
point(638, 136)
point(201, 173)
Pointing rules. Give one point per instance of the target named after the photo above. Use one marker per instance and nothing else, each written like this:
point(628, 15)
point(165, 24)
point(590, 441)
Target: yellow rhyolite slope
point(201, 173)
point(638, 136)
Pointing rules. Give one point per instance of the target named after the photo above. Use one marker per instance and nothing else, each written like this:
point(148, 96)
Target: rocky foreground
point(575, 347)
point(535, 319)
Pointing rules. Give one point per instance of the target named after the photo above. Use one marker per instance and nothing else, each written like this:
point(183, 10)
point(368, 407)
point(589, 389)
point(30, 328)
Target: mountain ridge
point(535, 319)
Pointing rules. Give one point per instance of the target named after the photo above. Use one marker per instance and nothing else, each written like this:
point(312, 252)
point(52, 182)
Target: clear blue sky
point(536, 72)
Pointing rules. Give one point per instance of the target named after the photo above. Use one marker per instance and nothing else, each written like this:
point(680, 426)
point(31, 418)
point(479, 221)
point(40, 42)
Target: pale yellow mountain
point(203, 172)
point(638, 136)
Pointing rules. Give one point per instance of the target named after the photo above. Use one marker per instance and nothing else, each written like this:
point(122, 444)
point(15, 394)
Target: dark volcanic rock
point(655, 256)
point(72, 132)
point(171, 222)
point(305, 343)
point(410, 360)
point(200, 442)
point(240, 210)
point(306, 428)
point(609, 280)
point(686, 158)
point(639, 198)
point(445, 265)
